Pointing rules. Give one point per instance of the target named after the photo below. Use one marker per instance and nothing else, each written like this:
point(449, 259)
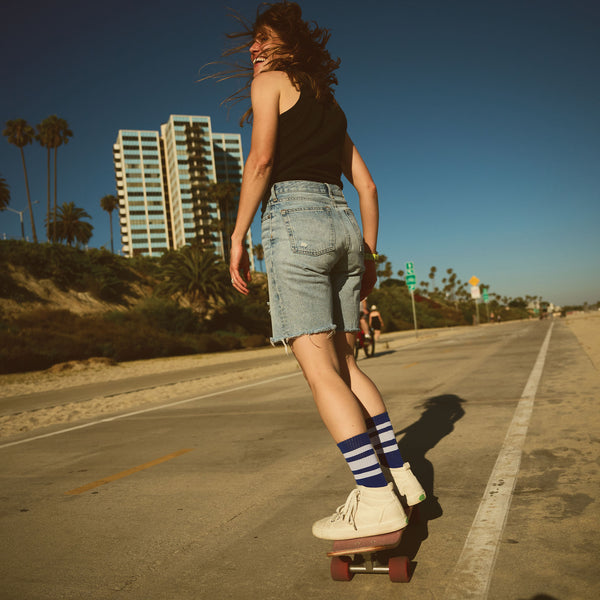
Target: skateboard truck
point(343, 568)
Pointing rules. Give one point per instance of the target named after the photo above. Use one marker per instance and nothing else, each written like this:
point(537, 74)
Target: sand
point(585, 326)
point(84, 372)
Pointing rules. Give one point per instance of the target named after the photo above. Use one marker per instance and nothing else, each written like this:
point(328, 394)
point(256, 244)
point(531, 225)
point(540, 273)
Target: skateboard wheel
point(340, 568)
point(399, 569)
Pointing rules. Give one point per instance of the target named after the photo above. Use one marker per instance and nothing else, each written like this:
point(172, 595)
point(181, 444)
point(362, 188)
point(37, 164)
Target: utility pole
point(20, 213)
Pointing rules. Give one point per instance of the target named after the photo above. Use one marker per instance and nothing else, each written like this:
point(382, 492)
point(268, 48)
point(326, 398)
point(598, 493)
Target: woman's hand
point(369, 279)
point(239, 268)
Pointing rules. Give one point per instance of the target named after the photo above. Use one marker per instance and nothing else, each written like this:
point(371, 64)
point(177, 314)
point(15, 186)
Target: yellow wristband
point(372, 256)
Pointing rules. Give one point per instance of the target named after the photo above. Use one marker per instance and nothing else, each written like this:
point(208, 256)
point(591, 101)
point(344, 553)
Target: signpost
point(411, 283)
point(486, 299)
point(475, 294)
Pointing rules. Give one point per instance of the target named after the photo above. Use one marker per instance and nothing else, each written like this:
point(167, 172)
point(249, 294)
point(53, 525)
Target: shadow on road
point(436, 422)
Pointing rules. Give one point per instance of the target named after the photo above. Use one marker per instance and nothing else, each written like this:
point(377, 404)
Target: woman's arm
point(265, 93)
point(358, 175)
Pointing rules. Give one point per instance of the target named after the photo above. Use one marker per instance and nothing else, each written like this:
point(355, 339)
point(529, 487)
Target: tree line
point(452, 291)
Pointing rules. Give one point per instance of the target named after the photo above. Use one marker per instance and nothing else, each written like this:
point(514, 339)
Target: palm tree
point(69, 225)
point(259, 253)
point(4, 194)
point(109, 203)
point(224, 195)
point(383, 267)
point(51, 133)
point(20, 133)
point(431, 276)
point(197, 274)
point(62, 133)
point(386, 272)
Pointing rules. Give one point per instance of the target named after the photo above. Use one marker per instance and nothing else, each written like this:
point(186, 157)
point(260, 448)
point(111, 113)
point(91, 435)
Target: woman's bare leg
point(362, 387)
point(338, 406)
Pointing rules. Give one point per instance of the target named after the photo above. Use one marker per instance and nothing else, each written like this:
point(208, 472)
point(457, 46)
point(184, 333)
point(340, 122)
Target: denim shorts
point(313, 250)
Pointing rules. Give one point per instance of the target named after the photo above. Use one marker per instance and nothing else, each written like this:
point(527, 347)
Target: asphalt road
point(214, 498)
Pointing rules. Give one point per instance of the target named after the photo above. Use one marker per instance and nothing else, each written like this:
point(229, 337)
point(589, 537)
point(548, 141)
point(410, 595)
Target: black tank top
point(310, 142)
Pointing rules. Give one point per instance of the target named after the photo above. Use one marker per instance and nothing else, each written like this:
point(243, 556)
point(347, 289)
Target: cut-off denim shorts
point(313, 250)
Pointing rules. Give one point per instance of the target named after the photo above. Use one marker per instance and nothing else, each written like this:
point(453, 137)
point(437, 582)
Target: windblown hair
point(302, 53)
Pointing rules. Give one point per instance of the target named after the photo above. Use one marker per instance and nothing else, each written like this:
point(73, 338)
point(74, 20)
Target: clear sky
point(479, 119)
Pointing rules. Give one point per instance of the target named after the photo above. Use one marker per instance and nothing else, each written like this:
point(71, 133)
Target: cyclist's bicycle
point(368, 345)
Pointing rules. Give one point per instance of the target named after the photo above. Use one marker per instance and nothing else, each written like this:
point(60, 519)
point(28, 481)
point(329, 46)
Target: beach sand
point(86, 372)
point(585, 326)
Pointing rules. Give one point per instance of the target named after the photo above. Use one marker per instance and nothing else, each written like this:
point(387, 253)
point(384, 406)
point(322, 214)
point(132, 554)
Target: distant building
point(163, 186)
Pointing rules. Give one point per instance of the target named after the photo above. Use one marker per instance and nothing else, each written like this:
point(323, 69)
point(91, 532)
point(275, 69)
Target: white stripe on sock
point(364, 463)
point(387, 436)
point(367, 474)
point(366, 448)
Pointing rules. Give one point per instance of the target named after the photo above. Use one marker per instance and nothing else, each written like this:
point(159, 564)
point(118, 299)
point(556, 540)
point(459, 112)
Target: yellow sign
point(474, 280)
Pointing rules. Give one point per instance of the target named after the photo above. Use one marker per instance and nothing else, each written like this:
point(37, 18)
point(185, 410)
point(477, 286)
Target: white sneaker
point(408, 485)
point(367, 511)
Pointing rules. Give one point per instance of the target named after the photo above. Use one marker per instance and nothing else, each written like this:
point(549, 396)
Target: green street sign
point(485, 295)
point(411, 278)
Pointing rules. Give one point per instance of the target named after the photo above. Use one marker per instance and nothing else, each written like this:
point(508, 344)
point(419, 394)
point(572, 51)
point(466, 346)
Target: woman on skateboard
point(319, 264)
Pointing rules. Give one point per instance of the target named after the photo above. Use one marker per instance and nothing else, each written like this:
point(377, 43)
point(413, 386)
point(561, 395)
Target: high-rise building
point(164, 186)
point(142, 193)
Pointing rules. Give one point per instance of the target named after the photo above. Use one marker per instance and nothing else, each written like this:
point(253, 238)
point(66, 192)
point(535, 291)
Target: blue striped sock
point(381, 434)
point(361, 458)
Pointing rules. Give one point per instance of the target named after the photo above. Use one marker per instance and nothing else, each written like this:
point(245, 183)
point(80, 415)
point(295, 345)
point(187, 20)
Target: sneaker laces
point(347, 511)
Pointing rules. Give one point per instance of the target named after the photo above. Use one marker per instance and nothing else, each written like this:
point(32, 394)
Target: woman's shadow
point(436, 421)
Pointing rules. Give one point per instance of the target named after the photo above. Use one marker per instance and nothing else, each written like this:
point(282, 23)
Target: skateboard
point(366, 555)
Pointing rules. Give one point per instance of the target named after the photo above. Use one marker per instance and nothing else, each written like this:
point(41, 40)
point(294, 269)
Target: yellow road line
point(91, 486)
point(411, 365)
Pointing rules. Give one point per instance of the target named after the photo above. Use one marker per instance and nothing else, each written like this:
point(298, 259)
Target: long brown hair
point(302, 53)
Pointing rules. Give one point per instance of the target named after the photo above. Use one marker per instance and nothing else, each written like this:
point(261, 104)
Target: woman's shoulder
point(271, 80)
point(275, 85)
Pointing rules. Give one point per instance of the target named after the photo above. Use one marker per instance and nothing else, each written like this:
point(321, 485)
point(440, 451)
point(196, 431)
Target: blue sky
point(479, 119)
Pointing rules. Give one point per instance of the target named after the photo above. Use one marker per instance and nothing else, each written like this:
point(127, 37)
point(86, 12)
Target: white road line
point(145, 410)
point(473, 572)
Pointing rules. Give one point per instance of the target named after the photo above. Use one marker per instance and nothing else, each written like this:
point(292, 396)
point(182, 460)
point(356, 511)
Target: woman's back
point(310, 141)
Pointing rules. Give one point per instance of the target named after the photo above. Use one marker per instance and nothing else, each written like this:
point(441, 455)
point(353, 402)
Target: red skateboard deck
point(360, 555)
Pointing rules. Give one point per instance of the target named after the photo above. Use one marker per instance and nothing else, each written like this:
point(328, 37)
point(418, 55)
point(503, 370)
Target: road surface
point(213, 496)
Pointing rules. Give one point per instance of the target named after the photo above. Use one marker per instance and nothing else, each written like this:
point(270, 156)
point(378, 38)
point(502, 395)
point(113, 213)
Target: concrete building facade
point(164, 186)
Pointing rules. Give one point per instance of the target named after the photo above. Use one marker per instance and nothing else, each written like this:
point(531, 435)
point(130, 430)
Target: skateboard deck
point(365, 555)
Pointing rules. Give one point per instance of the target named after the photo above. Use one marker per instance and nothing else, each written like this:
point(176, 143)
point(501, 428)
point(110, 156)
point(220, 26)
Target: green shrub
point(10, 289)
point(227, 340)
point(254, 341)
point(41, 338)
point(105, 275)
point(168, 315)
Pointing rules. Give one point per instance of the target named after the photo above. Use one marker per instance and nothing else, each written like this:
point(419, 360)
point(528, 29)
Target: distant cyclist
point(375, 322)
point(364, 320)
